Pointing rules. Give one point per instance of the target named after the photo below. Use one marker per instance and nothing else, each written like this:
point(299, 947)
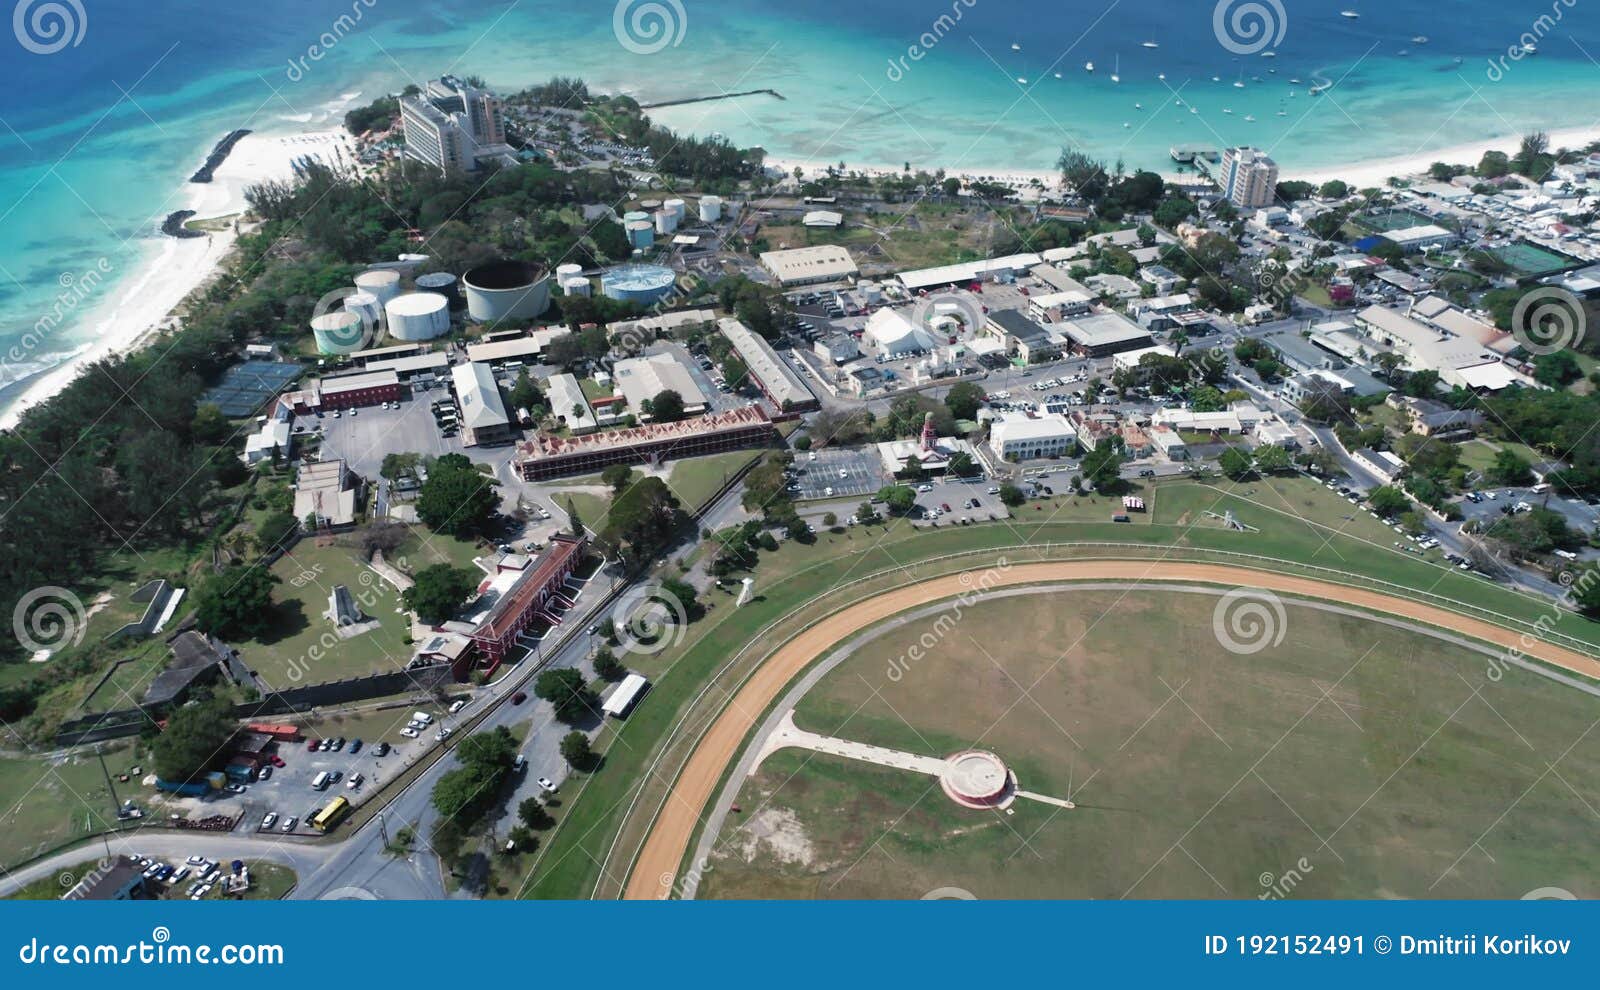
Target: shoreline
point(183, 260)
point(145, 303)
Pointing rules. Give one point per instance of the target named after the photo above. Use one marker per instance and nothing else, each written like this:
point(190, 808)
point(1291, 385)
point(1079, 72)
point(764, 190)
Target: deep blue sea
point(97, 137)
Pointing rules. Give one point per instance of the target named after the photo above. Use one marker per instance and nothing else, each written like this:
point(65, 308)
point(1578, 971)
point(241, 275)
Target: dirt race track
point(655, 870)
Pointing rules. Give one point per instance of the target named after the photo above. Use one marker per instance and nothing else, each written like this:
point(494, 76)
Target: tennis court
point(1531, 260)
point(1384, 221)
point(246, 386)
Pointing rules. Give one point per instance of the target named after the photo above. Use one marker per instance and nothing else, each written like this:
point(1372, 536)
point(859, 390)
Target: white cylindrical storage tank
point(418, 316)
point(678, 208)
point(649, 205)
point(634, 216)
point(340, 332)
point(575, 285)
point(710, 208)
point(365, 305)
point(641, 234)
point(506, 290)
point(379, 282)
point(566, 271)
point(666, 222)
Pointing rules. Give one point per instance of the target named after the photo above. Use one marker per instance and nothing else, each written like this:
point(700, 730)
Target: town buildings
point(1249, 178)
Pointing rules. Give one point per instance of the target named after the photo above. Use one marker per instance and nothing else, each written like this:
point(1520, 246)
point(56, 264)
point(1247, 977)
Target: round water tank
point(341, 332)
point(643, 284)
point(380, 282)
point(506, 290)
point(650, 205)
point(666, 222)
point(575, 285)
point(677, 206)
point(418, 316)
point(366, 305)
point(634, 216)
point(641, 234)
point(569, 270)
point(710, 208)
point(443, 283)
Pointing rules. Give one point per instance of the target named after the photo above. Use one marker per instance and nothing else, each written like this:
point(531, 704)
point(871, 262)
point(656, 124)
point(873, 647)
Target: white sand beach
point(142, 304)
point(1377, 172)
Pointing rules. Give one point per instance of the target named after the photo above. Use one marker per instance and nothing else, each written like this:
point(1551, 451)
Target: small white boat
point(1088, 66)
point(1530, 48)
point(1016, 47)
point(1353, 15)
point(1138, 106)
point(1151, 44)
point(1216, 78)
point(1420, 39)
point(1126, 124)
point(1250, 117)
point(1227, 110)
point(1023, 80)
point(1295, 80)
point(1161, 76)
point(1058, 75)
point(1269, 53)
point(1116, 70)
point(1194, 109)
point(1283, 113)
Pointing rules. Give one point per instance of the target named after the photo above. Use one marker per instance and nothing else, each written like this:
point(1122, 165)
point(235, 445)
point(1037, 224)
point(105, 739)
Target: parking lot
point(832, 473)
point(362, 437)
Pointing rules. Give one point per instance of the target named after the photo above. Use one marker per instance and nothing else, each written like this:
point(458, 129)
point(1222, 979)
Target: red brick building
point(520, 595)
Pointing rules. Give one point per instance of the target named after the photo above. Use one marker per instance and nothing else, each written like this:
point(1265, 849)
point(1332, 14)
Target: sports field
point(1351, 759)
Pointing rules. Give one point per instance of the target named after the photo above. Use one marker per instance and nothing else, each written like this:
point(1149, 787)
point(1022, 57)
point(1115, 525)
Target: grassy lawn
point(49, 802)
point(906, 245)
point(1478, 455)
point(51, 886)
point(305, 648)
point(424, 548)
point(695, 480)
point(1402, 770)
point(797, 572)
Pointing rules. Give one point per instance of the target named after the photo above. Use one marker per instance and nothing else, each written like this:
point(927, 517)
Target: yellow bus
point(329, 817)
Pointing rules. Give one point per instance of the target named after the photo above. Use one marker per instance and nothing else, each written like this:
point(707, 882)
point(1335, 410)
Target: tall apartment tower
point(1249, 178)
point(452, 126)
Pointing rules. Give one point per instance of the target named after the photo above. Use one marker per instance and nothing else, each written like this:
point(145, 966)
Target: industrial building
point(776, 379)
point(641, 379)
point(483, 411)
point(1105, 334)
point(506, 290)
point(548, 456)
point(810, 265)
point(662, 324)
point(1461, 361)
point(1028, 340)
point(528, 347)
point(928, 279)
point(1249, 178)
point(454, 127)
point(895, 336)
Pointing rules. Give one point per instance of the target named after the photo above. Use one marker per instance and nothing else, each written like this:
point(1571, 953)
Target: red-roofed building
point(520, 595)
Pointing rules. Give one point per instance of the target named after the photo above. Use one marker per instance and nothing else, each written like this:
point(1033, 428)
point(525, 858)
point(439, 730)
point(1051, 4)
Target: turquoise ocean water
point(96, 138)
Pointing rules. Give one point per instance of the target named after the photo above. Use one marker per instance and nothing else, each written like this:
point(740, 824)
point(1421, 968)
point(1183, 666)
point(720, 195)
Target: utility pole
point(116, 805)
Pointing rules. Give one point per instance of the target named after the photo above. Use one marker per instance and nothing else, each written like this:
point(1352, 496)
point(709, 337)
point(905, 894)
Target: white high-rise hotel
point(1249, 178)
point(453, 126)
